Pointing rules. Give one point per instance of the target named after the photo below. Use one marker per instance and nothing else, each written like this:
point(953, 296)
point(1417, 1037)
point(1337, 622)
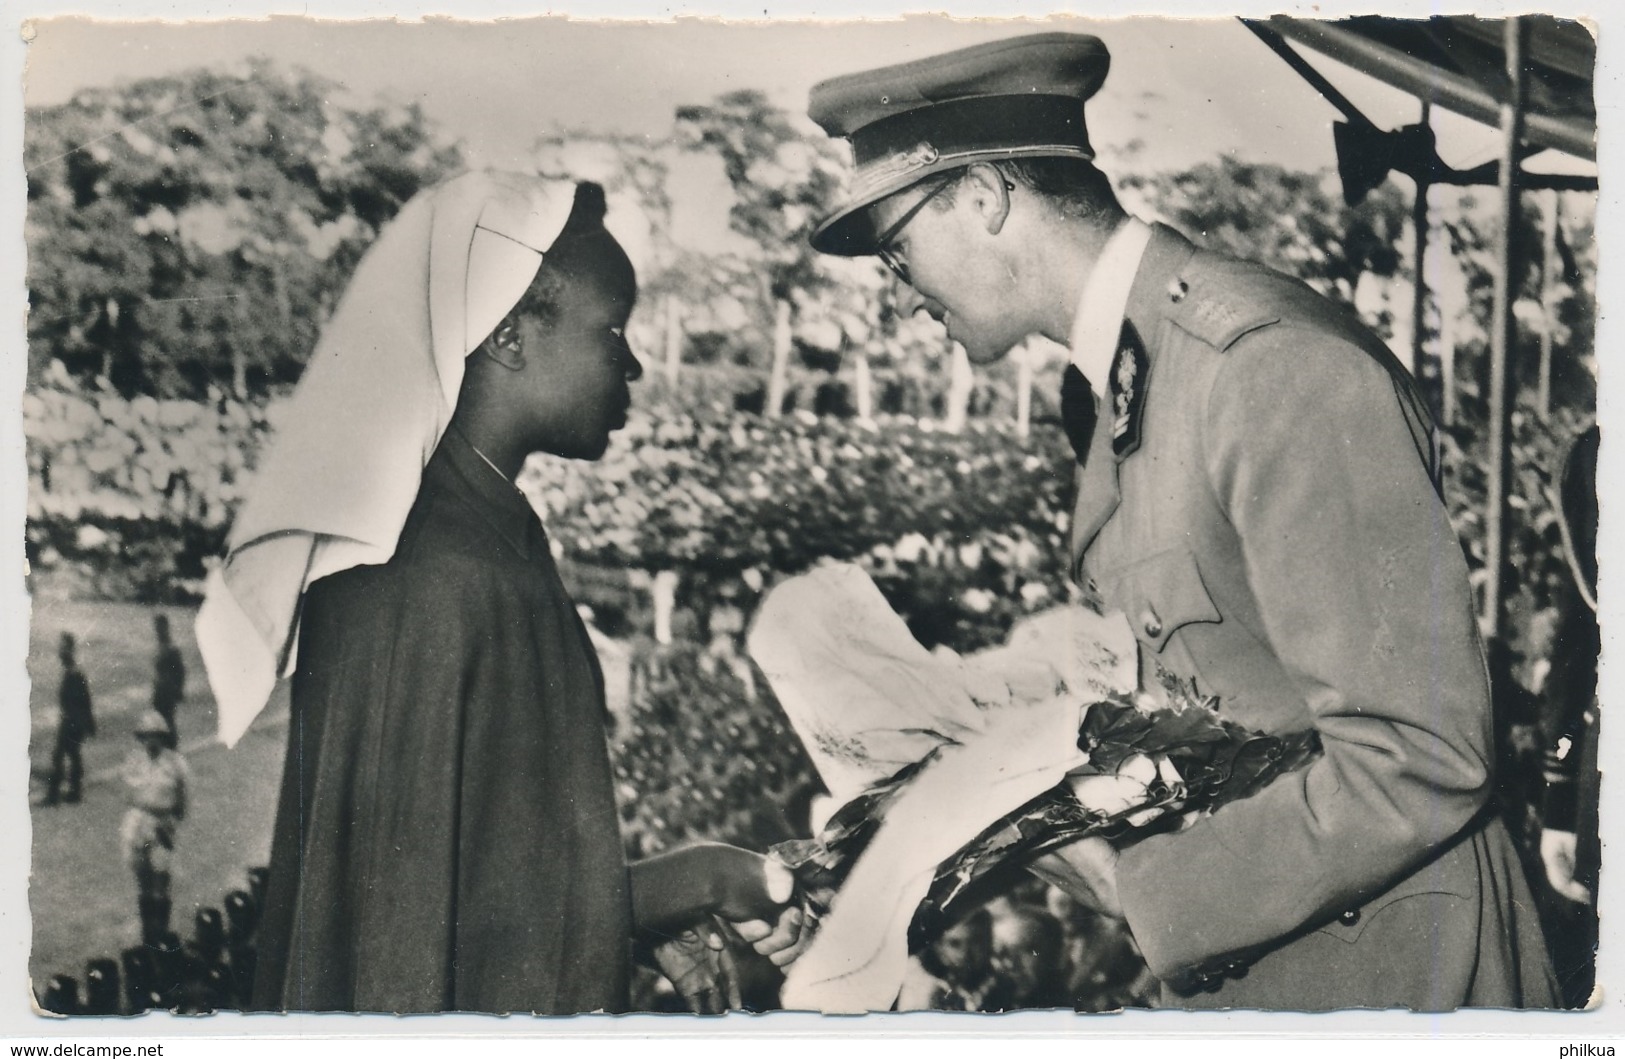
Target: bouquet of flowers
point(945, 768)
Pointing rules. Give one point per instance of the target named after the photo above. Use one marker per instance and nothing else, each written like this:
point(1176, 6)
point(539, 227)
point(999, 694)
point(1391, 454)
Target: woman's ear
point(506, 346)
point(989, 194)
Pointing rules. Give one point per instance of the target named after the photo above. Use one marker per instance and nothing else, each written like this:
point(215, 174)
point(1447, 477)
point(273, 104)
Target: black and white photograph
point(547, 516)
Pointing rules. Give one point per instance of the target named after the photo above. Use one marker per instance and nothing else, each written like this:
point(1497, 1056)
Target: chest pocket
point(1159, 595)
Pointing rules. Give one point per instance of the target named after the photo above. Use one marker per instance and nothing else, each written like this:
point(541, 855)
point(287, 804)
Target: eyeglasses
point(883, 248)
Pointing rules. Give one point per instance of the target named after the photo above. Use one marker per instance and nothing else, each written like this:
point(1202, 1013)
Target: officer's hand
point(1557, 853)
point(782, 939)
point(1085, 869)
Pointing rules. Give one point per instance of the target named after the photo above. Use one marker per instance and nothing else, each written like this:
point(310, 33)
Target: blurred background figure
point(1029, 958)
point(156, 777)
point(169, 677)
point(1101, 964)
point(955, 972)
point(76, 722)
point(1569, 847)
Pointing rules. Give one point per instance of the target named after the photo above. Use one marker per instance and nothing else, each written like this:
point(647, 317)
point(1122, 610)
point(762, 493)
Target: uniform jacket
point(157, 785)
point(1270, 526)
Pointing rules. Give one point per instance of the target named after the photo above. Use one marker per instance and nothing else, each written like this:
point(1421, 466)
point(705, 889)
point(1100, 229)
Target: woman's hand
point(752, 894)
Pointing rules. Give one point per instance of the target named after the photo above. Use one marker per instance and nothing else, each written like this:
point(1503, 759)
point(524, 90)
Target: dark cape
point(447, 835)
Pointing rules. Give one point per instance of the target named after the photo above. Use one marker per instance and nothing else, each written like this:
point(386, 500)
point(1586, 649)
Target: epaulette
point(1219, 300)
point(1219, 307)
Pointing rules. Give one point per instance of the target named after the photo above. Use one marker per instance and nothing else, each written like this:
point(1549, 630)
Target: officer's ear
point(986, 190)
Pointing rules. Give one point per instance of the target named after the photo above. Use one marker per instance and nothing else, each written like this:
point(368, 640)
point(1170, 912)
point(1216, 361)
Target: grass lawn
point(81, 896)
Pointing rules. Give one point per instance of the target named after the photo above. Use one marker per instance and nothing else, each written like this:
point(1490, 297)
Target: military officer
point(1258, 494)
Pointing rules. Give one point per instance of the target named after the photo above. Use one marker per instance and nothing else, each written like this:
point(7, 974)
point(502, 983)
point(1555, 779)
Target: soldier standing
point(75, 723)
point(157, 778)
point(169, 677)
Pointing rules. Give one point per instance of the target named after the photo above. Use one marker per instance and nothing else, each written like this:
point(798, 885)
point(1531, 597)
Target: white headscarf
point(334, 490)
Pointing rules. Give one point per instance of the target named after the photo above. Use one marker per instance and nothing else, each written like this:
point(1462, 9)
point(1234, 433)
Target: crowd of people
point(1032, 947)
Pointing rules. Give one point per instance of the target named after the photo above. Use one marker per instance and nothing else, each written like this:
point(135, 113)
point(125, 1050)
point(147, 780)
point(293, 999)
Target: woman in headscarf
point(447, 835)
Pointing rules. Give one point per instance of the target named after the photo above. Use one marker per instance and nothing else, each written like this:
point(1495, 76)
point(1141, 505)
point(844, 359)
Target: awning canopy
point(1459, 62)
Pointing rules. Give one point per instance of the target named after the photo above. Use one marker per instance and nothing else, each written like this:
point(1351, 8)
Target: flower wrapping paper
point(946, 768)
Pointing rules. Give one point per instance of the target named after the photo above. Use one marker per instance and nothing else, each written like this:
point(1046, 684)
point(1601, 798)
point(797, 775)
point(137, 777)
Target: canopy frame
point(1411, 150)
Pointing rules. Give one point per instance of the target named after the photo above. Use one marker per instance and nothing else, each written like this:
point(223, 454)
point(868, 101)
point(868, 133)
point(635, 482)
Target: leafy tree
point(1568, 306)
point(785, 178)
point(1293, 221)
point(196, 228)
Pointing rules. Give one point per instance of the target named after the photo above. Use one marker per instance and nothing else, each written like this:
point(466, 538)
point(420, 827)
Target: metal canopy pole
point(1419, 288)
point(1548, 297)
point(1502, 335)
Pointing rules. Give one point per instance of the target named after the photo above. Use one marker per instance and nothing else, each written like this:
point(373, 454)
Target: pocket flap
point(1440, 877)
point(1160, 594)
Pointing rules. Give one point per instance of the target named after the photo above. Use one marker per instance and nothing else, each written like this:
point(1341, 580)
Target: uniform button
point(1177, 290)
point(1351, 917)
point(1151, 623)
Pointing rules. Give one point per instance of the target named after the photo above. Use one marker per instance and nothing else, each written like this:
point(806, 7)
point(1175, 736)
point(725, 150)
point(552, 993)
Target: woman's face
point(582, 369)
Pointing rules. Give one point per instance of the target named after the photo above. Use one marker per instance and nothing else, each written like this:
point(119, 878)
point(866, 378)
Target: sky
point(1181, 91)
point(1186, 90)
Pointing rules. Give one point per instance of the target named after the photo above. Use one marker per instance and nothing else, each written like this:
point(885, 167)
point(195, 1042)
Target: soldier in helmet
point(156, 777)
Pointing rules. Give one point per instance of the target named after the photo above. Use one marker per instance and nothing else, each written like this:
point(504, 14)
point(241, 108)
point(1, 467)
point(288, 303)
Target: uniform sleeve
point(1363, 592)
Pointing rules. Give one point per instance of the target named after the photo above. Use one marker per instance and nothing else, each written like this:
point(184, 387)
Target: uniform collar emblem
point(1128, 378)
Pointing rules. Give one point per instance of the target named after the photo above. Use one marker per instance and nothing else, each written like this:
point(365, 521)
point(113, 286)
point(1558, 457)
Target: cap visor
point(848, 232)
